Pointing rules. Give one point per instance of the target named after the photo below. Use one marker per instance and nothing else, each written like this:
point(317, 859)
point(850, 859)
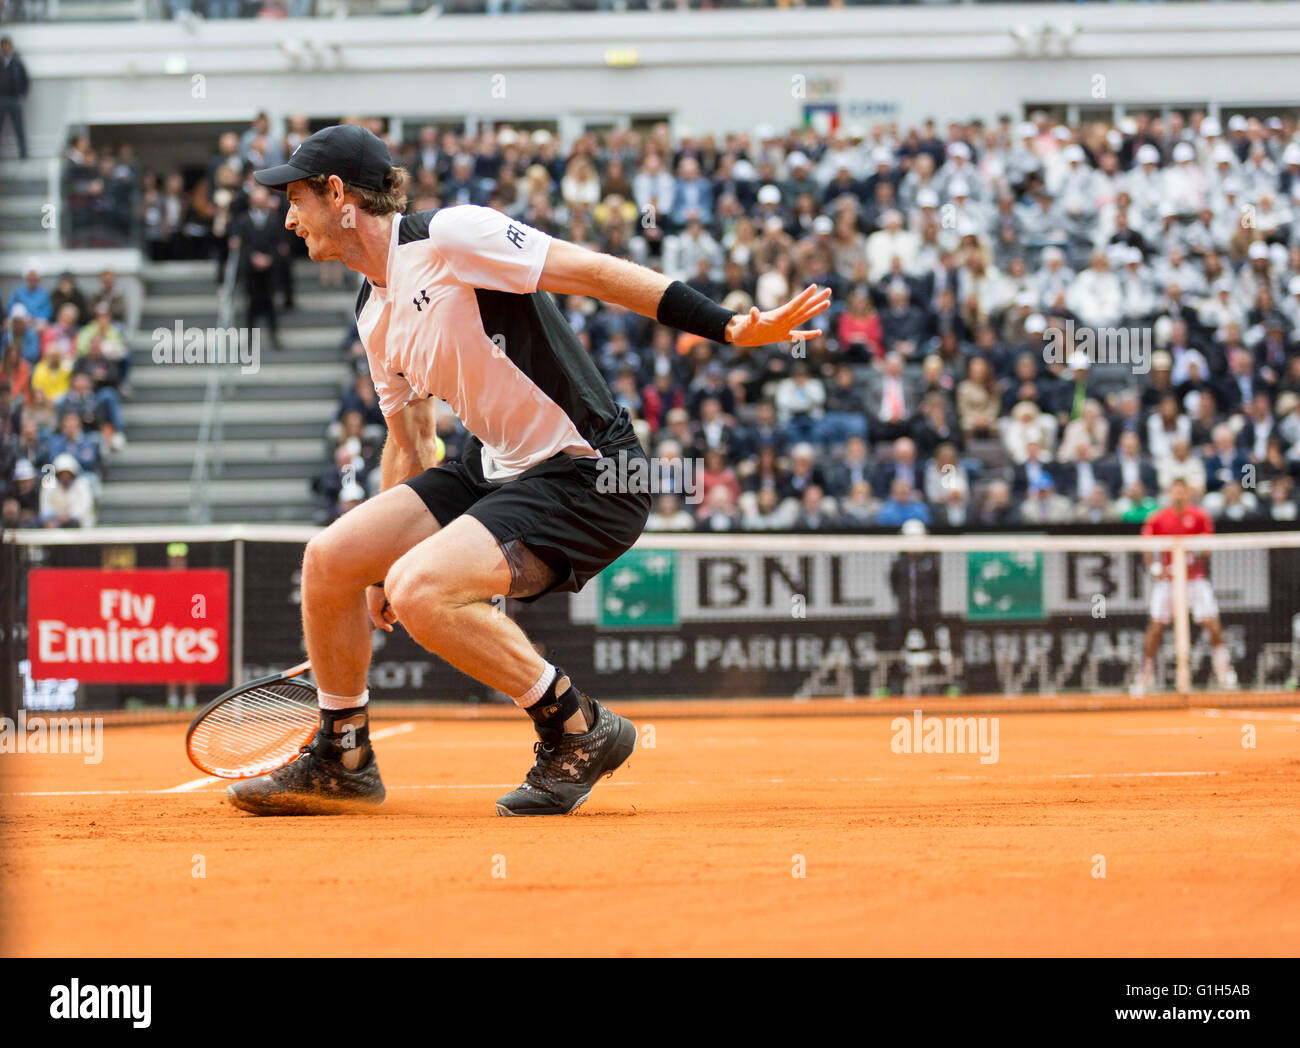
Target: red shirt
point(1192, 521)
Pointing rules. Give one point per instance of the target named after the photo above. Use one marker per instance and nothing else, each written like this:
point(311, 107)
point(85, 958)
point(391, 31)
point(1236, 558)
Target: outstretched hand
point(757, 328)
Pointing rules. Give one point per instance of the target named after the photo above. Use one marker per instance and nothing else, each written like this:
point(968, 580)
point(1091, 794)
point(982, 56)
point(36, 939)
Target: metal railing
point(211, 436)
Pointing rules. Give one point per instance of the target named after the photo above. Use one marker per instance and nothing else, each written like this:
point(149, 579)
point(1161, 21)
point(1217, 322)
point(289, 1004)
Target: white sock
point(1222, 660)
point(538, 689)
point(341, 702)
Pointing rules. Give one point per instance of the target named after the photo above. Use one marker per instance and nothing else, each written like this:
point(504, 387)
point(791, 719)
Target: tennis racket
point(255, 728)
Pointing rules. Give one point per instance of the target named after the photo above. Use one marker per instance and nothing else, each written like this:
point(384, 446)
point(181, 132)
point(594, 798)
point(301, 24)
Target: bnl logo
point(421, 300)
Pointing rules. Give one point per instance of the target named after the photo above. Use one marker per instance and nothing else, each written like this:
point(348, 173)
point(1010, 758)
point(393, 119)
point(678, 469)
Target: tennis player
point(1182, 517)
point(451, 310)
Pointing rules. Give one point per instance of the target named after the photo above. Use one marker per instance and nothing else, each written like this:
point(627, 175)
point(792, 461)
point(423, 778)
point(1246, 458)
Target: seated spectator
point(904, 503)
point(1042, 504)
point(38, 308)
point(892, 399)
point(52, 377)
point(800, 402)
point(816, 511)
point(1281, 505)
point(902, 464)
point(997, 509)
point(1181, 464)
point(859, 331)
point(1028, 425)
point(978, 399)
point(859, 507)
point(1127, 467)
point(669, 515)
point(1135, 505)
point(108, 294)
point(845, 416)
point(70, 501)
point(1233, 503)
point(72, 440)
point(67, 293)
point(21, 331)
point(26, 496)
point(99, 412)
point(1226, 464)
point(945, 474)
point(767, 511)
point(719, 511)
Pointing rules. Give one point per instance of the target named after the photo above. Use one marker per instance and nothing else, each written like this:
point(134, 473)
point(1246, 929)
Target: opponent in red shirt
point(1182, 517)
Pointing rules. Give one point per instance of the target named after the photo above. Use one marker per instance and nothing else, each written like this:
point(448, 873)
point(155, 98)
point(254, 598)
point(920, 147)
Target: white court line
point(1249, 714)
point(690, 782)
point(208, 780)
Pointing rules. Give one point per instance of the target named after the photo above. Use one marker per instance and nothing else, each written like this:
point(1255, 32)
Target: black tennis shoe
point(565, 771)
point(317, 783)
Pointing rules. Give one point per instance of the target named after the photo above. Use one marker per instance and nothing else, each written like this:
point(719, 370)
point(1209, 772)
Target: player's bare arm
point(574, 270)
point(412, 445)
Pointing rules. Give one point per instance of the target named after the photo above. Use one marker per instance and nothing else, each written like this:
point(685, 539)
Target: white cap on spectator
point(959, 187)
point(1223, 154)
point(913, 527)
point(927, 197)
point(1128, 126)
point(1258, 250)
point(1079, 361)
point(960, 149)
point(1117, 255)
point(1035, 324)
point(1275, 123)
point(882, 156)
point(33, 265)
point(1211, 128)
point(1050, 253)
point(765, 132)
point(1231, 187)
point(774, 223)
point(967, 228)
point(1026, 130)
point(1183, 152)
point(1114, 139)
point(1073, 153)
point(19, 312)
point(823, 225)
point(352, 492)
point(1237, 122)
point(507, 137)
point(857, 132)
point(541, 137)
point(67, 463)
point(1168, 209)
point(1148, 154)
point(1293, 288)
point(797, 159)
point(1291, 154)
point(24, 470)
point(1062, 133)
point(1278, 254)
point(1221, 285)
point(744, 170)
point(1133, 256)
point(769, 194)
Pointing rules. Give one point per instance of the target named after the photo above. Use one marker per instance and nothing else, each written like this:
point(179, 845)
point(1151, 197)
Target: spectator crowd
point(64, 369)
point(979, 270)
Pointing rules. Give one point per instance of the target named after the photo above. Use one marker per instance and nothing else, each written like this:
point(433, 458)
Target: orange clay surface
point(687, 850)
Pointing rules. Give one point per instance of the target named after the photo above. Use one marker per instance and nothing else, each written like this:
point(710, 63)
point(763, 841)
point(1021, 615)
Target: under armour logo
point(421, 300)
point(571, 768)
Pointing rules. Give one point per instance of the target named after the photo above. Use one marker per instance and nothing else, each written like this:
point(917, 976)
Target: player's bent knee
point(326, 565)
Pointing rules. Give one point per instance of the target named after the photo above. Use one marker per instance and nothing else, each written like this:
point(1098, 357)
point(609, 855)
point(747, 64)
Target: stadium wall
point(707, 70)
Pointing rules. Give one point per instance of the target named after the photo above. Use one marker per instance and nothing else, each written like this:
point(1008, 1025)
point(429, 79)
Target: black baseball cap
point(348, 150)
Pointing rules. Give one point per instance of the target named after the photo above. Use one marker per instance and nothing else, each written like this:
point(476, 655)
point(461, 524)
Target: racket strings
point(264, 727)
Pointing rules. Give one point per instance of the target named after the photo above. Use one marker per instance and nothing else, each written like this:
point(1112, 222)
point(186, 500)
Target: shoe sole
point(622, 749)
point(299, 804)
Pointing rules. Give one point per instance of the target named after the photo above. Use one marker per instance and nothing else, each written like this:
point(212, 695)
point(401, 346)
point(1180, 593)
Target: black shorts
point(555, 509)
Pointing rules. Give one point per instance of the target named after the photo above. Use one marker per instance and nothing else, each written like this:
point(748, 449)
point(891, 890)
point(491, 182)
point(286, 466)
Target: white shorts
point(1200, 596)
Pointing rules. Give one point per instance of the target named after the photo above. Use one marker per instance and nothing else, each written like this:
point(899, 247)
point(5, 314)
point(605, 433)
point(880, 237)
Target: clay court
point(690, 849)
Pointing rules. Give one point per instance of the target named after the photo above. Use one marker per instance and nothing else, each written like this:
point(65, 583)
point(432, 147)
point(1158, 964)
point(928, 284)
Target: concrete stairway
point(27, 188)
point(272, 422)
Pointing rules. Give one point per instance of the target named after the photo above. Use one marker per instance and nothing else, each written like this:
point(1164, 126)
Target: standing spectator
point(13, 91)
point(259, 239)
